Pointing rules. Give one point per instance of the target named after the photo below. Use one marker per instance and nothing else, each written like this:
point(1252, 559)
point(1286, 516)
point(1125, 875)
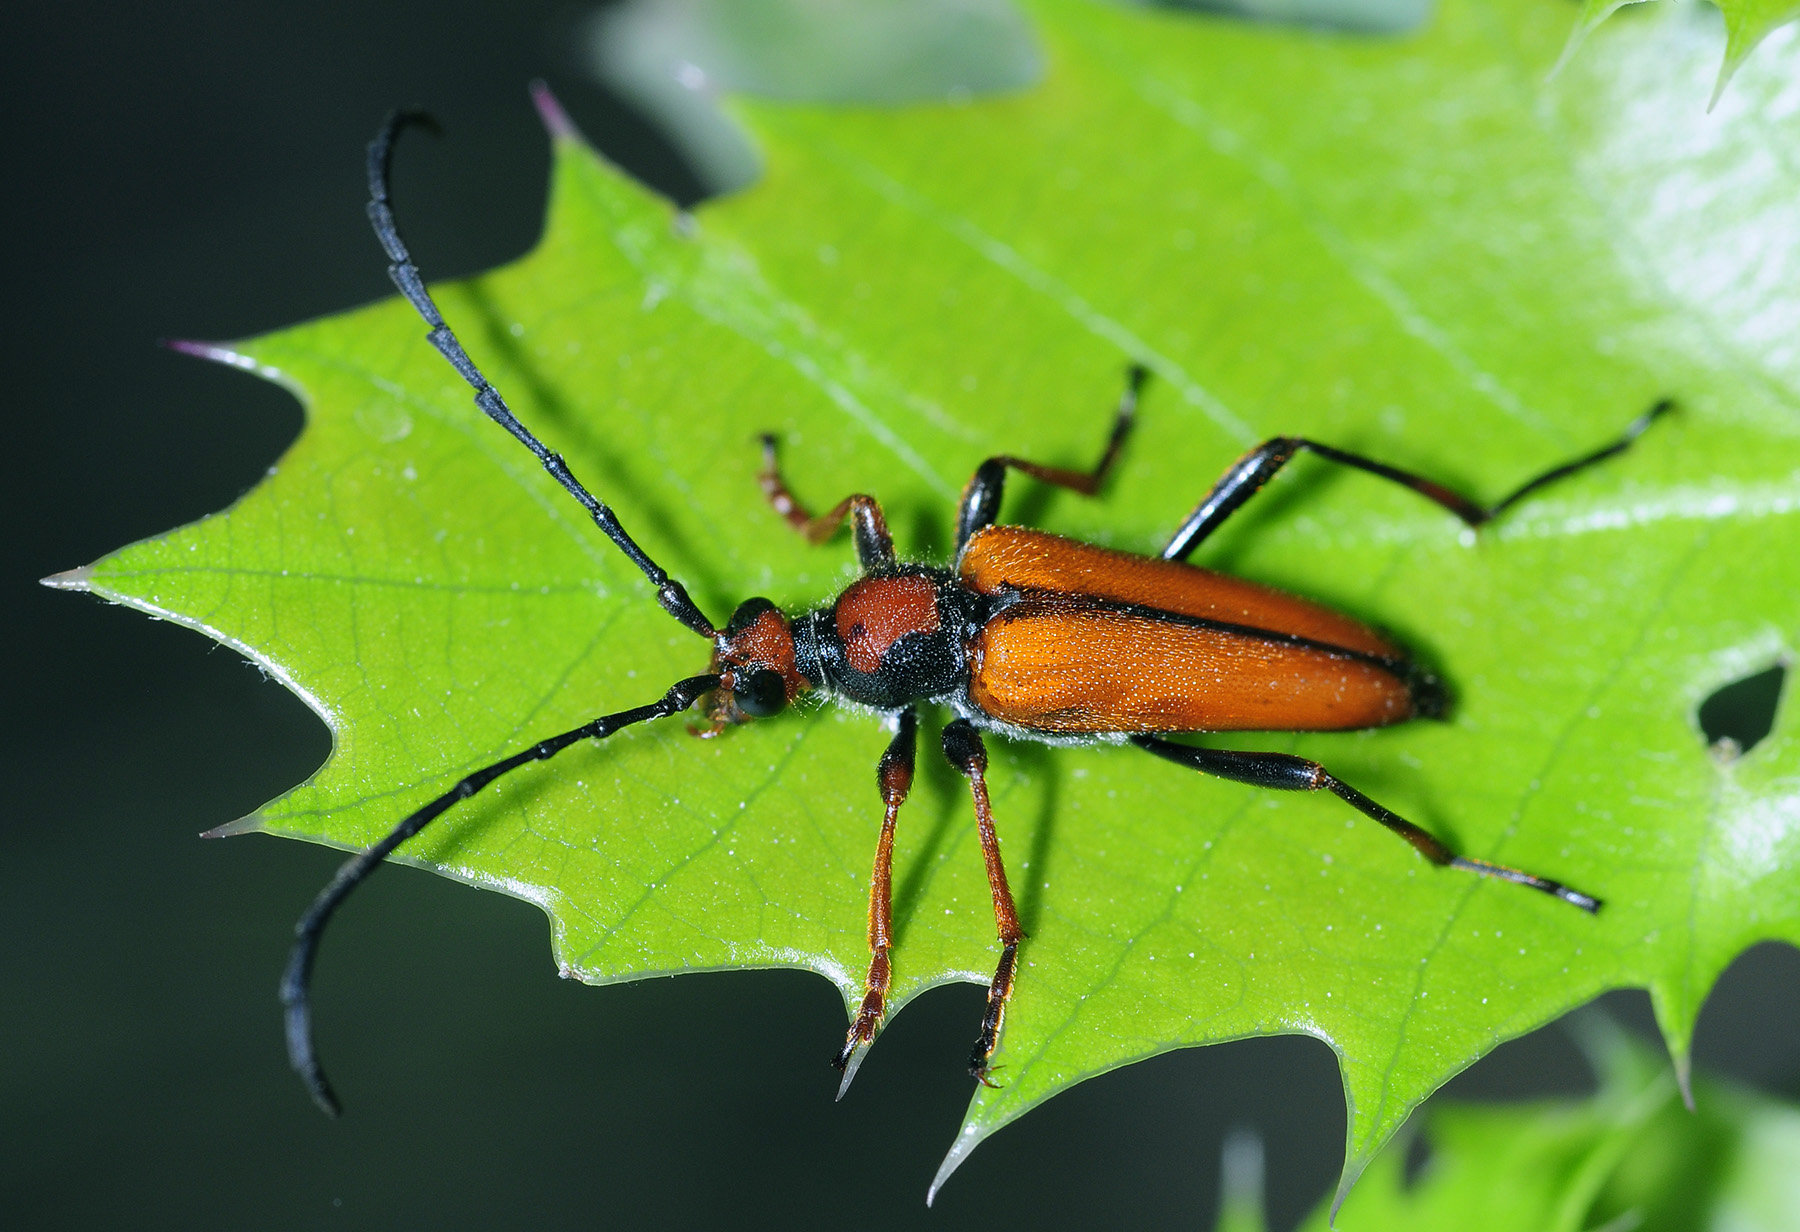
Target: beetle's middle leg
point(962, 745)
point(980, 503)
point(894, 775)
point(1285, 772)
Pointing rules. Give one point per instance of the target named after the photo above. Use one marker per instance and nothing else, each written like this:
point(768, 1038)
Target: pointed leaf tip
point(213, 352)
point(69, 579)
point(850, 1068)
point(966, 1141)
point(1743, 33)
point(1747, 23)
point(251, 824)
point(555, 120)
point(1684, 1079)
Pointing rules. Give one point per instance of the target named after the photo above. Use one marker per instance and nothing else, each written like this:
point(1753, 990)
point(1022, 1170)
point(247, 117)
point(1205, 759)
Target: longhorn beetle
point(1024, 634)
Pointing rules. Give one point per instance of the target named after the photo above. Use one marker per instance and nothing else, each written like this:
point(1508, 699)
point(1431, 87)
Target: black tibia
point(980, 504)
point(874, 545)
point(669, 592)
point(296, 981)
point(1284, 772)
point(962, 745)
point(894, 777)
point(1247, 476)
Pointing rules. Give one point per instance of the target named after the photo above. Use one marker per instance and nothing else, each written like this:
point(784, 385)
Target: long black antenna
point(671, 594)
point(296, 981)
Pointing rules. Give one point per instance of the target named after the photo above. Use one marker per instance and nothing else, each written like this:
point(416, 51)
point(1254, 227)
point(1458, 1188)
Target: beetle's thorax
point(893, 638)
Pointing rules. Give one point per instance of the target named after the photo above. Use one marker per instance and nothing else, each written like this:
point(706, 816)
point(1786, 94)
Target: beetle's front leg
point(962, 745)
point(874, 545)
point(894, 775)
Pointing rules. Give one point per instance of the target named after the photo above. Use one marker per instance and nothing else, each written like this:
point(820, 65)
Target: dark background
point(194, 170)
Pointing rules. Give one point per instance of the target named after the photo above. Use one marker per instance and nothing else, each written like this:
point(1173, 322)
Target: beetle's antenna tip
point(302, 1057)
point(300, 1051)
point(412, 117)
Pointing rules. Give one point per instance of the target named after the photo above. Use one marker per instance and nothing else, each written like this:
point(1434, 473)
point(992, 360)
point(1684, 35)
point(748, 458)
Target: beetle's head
point(754, 659)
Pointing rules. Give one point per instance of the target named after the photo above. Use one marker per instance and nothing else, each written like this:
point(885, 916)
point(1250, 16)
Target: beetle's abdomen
point(1016, 558)
point(1056, 664)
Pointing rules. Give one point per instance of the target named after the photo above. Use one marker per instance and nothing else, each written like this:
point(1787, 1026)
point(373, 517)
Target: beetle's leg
point(1250, 472)
point(962, 745)
point(874, 545)
point(894, 776)
point(296, 981)
point(1284, 772)
point(980, 503)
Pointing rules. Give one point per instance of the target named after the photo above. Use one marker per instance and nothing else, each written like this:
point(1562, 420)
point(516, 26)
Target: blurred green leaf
point(1241, 1185)
point(675, 58)
point(1413, 247)
point(1632, 1157)
point(1747, 24)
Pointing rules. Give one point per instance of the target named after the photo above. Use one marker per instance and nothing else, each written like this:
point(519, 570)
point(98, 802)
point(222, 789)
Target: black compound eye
point(761, 693)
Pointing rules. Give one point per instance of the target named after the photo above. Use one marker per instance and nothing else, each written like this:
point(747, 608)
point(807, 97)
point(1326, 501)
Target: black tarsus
point(1248, 474)
point(297, 979)
point(1285, 772)
point(980, 504)
point(669, 593)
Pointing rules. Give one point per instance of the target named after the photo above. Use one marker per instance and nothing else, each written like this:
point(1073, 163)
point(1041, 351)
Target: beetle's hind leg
point(963, 747)
point(980, 503)
point(1285, 772)
point(894, 775)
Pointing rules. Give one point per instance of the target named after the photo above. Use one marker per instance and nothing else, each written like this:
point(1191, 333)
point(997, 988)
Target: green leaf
point(1633, 1156)
point(1747, 24)
point(671, 58)
point(1415, 248)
